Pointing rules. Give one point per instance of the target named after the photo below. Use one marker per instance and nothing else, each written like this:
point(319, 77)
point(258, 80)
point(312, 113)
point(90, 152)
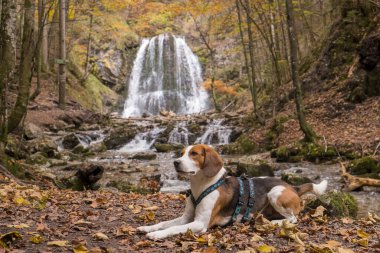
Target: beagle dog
point(273, 198)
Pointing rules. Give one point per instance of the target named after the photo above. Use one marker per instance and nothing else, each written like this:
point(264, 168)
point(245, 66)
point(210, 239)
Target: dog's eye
point(194, 153)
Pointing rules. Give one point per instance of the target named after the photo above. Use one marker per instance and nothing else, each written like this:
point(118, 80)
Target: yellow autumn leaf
point(151, 208)
point(266, 249)
point(362, 234)
point(20, 200)
point(151, 216)
point(80, 249)
point(318, 211)
point(58, 243)
point(135, 209)
point(36, 239)
point(363, 242)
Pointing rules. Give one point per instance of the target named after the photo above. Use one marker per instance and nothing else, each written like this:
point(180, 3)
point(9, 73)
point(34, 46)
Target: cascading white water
point(216, 133)
point(142, 141)
point(166, 75)
point(180, 134)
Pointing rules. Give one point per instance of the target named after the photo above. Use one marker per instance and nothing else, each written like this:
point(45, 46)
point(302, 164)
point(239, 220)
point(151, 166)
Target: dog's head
point(199, 159)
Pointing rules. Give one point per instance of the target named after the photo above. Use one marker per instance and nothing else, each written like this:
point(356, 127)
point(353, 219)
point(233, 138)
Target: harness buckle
point(250, 204)
point(240, 203)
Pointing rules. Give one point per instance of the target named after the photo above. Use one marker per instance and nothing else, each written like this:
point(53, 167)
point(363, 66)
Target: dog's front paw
point(157, 235)
point(145, 229)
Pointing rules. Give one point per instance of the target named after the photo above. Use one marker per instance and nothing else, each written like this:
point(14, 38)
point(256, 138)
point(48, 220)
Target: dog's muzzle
point(177, 165)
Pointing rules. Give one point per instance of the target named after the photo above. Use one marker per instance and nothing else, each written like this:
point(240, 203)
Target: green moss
point(337, 204)
point(92, 94)
point(316, 153)
point(242, 145)
point(258, 168)
point(282, 154)
point(295, 179)
point(363, 166)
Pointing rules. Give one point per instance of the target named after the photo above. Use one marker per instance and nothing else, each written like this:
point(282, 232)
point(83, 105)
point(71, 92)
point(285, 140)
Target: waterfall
point(216, 133)
point(166, 75)
point(142, 141)
point(180, 134)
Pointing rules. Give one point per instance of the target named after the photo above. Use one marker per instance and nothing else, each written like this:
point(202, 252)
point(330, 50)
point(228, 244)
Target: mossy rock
point(282, 154)
point(363, 166)
point(316, 153)
point(165, 147)
point(295, 179)
point(37, 158)
point(195, 128)
point(119, 137)
point(258, 168)
point(242, 145)
point(337, 204)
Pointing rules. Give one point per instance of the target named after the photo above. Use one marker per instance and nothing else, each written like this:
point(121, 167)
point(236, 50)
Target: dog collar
point(205, 192)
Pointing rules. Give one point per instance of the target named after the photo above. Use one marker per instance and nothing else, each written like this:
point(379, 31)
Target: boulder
point(31, 131)
point(336, 203)
point(295, 179)
point(242, 145)
point(166, 147)
point(144, 156)
point(70, 141)
point(118, 137)
point(364, 165)
point(257, 168)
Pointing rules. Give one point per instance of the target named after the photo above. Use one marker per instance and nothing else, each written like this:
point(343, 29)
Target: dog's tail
point(317, 189)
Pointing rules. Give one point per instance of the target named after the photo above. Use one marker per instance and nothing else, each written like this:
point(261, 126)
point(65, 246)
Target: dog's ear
point(212, 162)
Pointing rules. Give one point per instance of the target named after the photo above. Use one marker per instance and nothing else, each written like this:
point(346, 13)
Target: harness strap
point(251, 200)
point(240, 201)
point(205, 192)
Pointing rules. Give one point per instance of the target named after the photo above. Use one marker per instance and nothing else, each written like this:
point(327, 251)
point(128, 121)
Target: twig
point(377, 147)
point(324, 139)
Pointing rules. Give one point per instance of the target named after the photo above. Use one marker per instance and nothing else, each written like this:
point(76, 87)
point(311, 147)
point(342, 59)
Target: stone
point(70, 141)
point(165, 147)
point(295, 179)
point(336, 203)
point(118, 137)
point(31, 131)
point(37, 158)
point(257, 168)
point(243, 145)
point(364, 165)
point(144, 156)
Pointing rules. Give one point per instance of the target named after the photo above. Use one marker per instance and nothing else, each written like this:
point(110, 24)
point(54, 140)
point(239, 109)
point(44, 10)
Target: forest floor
point(51, 220)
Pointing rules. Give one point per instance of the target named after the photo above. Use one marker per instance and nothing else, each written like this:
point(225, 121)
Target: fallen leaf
point(347, 220)
point(80, 249)
point(151, 208)
point(318, 212)
point(362, 234)
point(151, 216)
point(36, 239)
point(210, 250)
point(256, 238)
point(58, 243)
point(8, 238)
point(101, 236)
point(266, 249)
point(19, 226)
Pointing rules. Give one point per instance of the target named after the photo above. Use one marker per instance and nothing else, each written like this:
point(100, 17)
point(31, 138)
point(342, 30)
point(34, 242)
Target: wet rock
point(165, 147)
point(97, 147)
point(70, 141)
point(118, 137)
point(365, 165)
point(337, 204)
point(310, 152)
point(31, 131)
point(85, 178)
point(258, 168)
point(145, 185)
point(295, 179)
point(144, 156)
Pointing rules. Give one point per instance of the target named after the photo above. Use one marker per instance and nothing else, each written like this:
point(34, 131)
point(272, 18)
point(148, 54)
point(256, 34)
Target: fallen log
point(353, 182)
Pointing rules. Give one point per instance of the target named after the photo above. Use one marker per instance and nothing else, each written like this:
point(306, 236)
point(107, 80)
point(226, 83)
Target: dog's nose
point(176, 164)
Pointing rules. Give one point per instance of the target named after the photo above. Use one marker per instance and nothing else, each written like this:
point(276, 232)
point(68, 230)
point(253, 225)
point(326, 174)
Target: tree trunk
point(87, 64)
point(251, 58)
point(45, 41)
point(38, 53)
point(8, 60)
point(26, 64)
point(294, 62)
point(62, 53)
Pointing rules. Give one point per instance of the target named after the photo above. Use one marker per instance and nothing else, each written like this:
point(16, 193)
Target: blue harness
point(240, 202)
